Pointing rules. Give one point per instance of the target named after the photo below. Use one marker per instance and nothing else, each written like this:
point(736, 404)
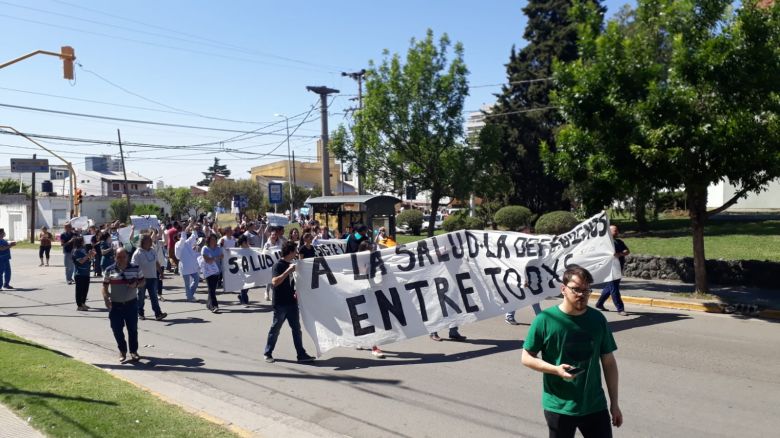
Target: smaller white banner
point(124, 234)
point(145, 223)
point(80, 223)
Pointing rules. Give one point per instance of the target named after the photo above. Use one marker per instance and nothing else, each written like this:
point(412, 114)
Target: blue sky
point(241, 60)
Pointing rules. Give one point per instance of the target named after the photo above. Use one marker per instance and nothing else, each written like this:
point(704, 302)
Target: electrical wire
point(526, 81)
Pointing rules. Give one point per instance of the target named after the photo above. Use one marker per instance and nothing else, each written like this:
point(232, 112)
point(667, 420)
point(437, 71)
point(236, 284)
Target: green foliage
point(145, 210)
point(214, 170)
point(555, 222)
point(653, 101)
point(300, 195)
point(462, 221)
point(412, 219)
point(179, 198)
point(516, 133)
point(454, 222)
point(514, 217)
point(411, 121)
point(221, 192)
point(669, 200)
point(118, 210)
point(11, 186)
point(342, 146)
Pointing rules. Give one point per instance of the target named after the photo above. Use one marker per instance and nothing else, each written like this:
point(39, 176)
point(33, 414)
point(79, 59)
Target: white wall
point(14, 220)
point(718, 194)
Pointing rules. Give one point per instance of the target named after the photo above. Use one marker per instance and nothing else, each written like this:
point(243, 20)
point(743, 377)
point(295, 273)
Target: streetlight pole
point(324, 91)
point(289, 161)
point(358, 76)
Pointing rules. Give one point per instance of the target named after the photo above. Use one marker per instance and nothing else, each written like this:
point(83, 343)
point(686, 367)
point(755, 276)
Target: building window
point(134, 186)
point(115, 187)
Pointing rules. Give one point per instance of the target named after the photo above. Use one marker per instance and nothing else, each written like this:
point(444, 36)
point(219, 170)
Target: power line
point(199, 39)
point(526, 81)
point(120, 119)
point(164, 46)
point(522, 111)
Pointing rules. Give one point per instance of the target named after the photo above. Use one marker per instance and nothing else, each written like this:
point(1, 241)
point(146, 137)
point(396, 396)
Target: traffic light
point(77, 199)
point(68, 55)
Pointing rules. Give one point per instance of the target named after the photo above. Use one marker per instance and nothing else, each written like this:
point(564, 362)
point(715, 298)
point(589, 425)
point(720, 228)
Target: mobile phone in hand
point(574, 371)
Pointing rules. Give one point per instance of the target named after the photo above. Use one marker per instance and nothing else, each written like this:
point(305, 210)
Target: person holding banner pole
point(212, 260)
point(613, 287)
point(243, 296)
point(285, 305)
point(576, 345)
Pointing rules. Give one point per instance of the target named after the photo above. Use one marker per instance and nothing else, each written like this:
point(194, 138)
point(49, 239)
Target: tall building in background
point(476, 120)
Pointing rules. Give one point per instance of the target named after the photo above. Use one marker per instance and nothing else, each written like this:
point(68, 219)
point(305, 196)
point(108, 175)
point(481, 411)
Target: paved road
point(683, 374)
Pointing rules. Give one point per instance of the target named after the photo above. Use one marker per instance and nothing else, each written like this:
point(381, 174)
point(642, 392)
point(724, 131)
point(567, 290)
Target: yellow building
point(304, 174)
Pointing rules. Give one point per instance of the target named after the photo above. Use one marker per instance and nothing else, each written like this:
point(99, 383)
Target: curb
point(700, 307)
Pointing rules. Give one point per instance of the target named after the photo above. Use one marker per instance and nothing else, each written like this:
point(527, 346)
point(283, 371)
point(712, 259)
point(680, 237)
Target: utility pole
point(124, 172)
point(324, 91)
point(290, 164)
point(358, 76)
point(32, 206)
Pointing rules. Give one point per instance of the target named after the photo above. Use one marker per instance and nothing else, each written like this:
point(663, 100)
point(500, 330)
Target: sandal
point(134, 357)
point(123, 358)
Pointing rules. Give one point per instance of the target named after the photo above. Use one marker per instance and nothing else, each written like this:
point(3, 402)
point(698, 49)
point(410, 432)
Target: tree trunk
point(640, 210)
point(697, 210)
point(435, 197)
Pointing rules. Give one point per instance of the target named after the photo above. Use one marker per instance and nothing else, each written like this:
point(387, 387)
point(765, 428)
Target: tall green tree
point(688, 97)
point(179, 198)
point(412, 121)
point(522, 119)
point(214, 170)
point(222, 192)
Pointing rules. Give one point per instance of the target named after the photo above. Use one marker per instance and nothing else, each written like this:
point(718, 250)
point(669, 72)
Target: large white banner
point(251, 267)
point(376, 298)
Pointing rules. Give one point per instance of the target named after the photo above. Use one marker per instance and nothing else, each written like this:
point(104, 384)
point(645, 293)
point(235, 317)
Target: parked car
point(436, 224)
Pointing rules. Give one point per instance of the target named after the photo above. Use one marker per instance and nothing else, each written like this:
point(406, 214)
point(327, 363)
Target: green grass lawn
point(729, 240)
point(408, 238)
point(66, 398)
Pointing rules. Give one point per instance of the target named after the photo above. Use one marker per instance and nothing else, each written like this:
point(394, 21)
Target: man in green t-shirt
point(573, 340)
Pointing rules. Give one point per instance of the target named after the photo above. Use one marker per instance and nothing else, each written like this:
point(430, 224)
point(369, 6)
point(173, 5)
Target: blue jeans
point(191, 284)
point(5, 272)
point(151, 286)
point(124, 315)
point(537, 310)
point(612, 288)
point(287, 312)
point(70, 267)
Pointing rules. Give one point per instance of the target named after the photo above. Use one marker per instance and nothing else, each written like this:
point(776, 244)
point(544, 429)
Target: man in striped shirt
point(120, 293)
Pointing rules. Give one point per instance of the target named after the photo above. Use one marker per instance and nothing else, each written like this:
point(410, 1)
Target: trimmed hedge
point(412, 219)
point(461, 221)
point(513, 217)
point(555, 222)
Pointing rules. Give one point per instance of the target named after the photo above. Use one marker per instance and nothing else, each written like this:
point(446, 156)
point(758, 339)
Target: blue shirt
point(6, 253)
point(82, 269)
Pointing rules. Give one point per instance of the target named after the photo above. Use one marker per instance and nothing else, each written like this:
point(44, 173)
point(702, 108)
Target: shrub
point(474, 223)
point(513, 217)
point(412, 219)
point(556, 222)
point(145, 209)
point(454, 222)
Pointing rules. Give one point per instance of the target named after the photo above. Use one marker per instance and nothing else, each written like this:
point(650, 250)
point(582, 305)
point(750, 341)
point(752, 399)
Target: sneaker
point(269, 358)
point(435, 337)
point(457, 337)
point(160, 316)
point(215, 310)
point(134, 357)
point(70, 281)
point(622, 313)
point(376, 352)
point(8, 286)
point(602, 308)
point(141, 317)
point(267, 296)
point(305, 358)
point(122, 358)
point(191, 300)
point(511, 321)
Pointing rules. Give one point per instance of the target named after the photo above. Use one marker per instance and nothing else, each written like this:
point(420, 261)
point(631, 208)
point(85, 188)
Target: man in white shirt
point(188, 261)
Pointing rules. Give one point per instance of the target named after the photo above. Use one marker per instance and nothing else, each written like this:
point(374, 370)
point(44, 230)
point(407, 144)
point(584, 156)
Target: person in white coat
point(188, 261)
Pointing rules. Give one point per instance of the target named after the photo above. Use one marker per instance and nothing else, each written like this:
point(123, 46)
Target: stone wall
point(751, 273)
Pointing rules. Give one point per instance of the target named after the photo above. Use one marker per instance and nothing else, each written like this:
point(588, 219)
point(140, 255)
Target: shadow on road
point(395, 358)
point(190, 320)
point(644, 319)
point(195, 365)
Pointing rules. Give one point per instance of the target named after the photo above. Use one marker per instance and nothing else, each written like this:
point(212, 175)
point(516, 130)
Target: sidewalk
point(763, 303)
point(13, 426)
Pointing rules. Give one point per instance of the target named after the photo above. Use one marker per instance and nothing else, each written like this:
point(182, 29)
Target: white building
point(108, 183)
point(769, 199)
point(476, 120)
